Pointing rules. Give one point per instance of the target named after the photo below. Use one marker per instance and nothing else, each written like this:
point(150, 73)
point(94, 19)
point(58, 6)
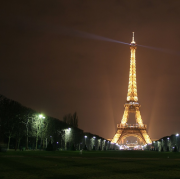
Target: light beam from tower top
point(133, 42)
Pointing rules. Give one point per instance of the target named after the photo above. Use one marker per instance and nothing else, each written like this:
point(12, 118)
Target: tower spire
point(133, 42)
point(132, 86)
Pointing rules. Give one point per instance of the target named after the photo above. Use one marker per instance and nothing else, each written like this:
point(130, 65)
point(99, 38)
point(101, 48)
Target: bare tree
point(75, 120)
point(71, 119)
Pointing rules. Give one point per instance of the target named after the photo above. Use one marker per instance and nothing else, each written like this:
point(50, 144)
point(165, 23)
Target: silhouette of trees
point(10, 115)
point(71, 119)
point(22, 126)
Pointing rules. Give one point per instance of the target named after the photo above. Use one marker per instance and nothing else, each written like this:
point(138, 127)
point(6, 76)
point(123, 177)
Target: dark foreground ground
point(106, 164)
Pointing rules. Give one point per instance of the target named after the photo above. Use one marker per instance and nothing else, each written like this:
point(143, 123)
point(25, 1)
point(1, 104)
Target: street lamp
point(176, 139)
point(42, 117)
point(85, 139)
point(66, 132)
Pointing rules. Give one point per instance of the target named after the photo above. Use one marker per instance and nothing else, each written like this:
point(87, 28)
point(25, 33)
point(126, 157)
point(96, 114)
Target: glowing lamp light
point(85, 136)
point(41, 116)
point(177, 134)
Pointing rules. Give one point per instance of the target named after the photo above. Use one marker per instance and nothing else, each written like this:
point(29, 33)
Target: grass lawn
point(91, 164)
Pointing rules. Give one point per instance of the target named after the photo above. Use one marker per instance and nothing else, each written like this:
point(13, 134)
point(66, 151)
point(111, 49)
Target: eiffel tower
point(139, 129)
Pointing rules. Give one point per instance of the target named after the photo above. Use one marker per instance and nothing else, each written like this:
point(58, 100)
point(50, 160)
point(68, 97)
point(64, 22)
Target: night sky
point(53, 60)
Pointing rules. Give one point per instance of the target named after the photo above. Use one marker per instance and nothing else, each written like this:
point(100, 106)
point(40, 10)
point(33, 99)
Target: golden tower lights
point(132, 105)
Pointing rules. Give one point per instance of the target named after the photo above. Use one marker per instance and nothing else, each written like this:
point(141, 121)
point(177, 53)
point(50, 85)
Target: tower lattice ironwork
point(139, 129)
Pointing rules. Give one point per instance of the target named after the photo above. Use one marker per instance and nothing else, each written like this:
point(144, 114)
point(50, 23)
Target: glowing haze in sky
point(59, 57)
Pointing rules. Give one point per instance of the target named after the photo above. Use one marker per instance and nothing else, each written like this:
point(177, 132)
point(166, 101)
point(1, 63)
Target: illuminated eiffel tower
point(138, 130)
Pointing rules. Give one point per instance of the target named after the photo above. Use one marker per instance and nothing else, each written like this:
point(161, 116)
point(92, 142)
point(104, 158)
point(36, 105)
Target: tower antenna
point(133, 38)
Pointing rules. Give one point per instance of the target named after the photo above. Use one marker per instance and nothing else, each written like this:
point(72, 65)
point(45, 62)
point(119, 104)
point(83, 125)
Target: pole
point(27, 133)
point(65, 138)
point(27, 138)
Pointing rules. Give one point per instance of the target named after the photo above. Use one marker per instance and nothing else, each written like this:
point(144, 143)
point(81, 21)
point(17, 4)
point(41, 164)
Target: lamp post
point(85, 139)
point(176, 137)
point(176, 140)
point(66, 136)
point(41, 117)
point(94, 143)
point(168, 144)
point(100, 145)
point(38, 125)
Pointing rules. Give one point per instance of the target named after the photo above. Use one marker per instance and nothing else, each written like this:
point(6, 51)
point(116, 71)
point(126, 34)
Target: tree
point(19, 130)
point(71, 119)
point(39, 123)
point(27, 123)
point(24, 124)
point(56, 129)
point(75, 120)
point(9, 114)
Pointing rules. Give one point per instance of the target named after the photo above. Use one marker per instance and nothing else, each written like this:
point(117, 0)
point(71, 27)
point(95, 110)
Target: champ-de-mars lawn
point(91, 164)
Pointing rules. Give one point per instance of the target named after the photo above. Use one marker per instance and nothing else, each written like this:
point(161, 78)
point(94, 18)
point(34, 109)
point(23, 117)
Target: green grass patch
point(91, 164)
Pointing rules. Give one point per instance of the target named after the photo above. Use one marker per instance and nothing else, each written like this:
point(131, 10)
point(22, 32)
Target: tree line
point(23, 126)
